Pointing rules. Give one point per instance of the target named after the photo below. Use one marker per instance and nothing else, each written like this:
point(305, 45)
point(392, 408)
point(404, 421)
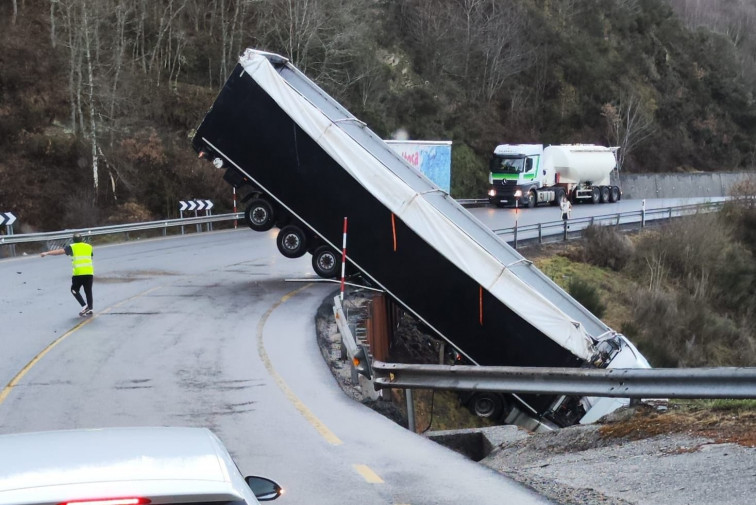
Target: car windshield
point(502, 165)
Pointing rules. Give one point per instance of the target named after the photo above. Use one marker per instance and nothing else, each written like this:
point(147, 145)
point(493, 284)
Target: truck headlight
point(518, 193)
point(492, 192)
point(217, 163)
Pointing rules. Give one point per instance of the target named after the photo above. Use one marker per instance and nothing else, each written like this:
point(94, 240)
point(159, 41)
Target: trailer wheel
point(605, 194)
point(325, 262)
point(259, 215)
point(614, 194)
point(292, 241)
point(487, 405)
point(595, 194)
point(531, 202)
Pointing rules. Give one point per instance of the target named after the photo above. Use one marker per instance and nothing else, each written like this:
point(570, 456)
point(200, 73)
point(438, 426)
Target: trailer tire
point(259, 215)
point(532, 199)
point(605, 194)
point(325, 262)
point(292, 241)
point(614, 194)
point(595, 194)
point(487, 405)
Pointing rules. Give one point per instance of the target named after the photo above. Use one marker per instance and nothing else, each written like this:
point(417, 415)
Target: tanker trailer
point(528, 174)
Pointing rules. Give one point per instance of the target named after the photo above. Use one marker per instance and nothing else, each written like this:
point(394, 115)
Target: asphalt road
point(204, 330)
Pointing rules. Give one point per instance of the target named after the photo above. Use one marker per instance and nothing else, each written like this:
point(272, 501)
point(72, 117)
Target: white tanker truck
point(528, 174)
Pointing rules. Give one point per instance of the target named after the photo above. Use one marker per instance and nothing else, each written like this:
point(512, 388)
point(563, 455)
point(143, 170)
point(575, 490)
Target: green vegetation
point(98, 99)
point(687, 294)
point(588, 296)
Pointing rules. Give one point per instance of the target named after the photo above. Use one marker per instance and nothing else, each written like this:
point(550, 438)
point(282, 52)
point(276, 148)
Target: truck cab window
point(507, 165)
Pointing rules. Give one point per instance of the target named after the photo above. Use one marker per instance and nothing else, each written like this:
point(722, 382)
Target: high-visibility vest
point(82, 258)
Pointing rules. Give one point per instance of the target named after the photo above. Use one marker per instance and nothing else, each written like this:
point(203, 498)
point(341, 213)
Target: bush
point(604, 246)
point(678, 331)
point(588, 296)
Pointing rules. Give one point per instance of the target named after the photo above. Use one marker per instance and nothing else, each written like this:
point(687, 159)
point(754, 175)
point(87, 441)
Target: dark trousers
point(85, 281)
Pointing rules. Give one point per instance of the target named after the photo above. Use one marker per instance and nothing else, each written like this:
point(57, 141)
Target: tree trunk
point(92, 120)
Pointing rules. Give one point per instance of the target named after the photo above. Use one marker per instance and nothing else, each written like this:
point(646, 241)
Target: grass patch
point(610, 286)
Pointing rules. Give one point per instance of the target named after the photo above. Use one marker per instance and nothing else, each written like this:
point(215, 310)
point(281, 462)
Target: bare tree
point(628, 125)
point(88, 31)
point(502, 46)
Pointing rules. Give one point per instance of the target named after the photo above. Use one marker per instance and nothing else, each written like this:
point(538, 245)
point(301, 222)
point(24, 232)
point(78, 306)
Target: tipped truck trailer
point(309, 164)
point(525, 175)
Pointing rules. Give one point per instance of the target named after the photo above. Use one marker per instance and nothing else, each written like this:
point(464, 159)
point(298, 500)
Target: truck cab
point(514, 175)
point(528, 174)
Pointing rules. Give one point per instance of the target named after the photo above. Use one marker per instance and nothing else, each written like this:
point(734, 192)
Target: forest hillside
point(99, 98)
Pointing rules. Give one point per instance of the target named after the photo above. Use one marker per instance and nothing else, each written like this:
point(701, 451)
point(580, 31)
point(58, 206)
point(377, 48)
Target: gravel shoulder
point(591, 464)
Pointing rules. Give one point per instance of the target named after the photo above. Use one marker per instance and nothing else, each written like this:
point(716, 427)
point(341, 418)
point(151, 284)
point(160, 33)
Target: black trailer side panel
point(250, 129)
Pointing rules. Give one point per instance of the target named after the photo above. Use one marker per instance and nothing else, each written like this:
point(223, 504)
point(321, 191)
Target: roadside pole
point(235, 220)
point(343, 259)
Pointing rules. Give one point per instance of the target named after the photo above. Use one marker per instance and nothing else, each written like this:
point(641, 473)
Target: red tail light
point(109, 501)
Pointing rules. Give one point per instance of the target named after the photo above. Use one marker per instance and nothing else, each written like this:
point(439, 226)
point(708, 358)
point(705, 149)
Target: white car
point(124, 466)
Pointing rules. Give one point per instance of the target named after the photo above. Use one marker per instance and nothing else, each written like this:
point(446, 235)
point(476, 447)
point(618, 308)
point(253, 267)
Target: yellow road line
point(330, 437)
point(368, 474)
point(20, 375)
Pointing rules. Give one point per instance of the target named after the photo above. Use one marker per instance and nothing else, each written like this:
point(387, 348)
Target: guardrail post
point(410, 410)
point(670, 214)
point(9, 231)
point(618, 218)
point(540, 234)
point(515, 235)
point(643, 213)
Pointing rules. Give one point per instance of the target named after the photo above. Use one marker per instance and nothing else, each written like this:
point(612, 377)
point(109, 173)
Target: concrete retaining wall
point(637, 186)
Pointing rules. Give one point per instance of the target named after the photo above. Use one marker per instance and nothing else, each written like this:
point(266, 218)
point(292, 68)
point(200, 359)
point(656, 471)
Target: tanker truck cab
point(528, 174)
point(515, 175)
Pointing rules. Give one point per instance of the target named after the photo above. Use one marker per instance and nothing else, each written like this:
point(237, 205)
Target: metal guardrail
point(473, 202)
point(563, 230)
point(513, 234)
point(118, 228)
point(694, 383)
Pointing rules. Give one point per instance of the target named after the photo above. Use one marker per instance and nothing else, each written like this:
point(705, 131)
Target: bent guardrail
point(692, 383)
point(357, 354)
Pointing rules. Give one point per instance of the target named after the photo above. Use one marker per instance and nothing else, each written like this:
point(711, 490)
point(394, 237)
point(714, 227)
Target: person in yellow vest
point(83, 270)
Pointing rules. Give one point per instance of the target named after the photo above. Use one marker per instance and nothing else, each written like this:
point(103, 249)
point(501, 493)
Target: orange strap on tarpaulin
point(480, 302)
point(393, 229)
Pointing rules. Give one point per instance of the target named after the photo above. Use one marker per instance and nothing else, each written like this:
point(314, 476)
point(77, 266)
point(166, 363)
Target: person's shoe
point(86, 310)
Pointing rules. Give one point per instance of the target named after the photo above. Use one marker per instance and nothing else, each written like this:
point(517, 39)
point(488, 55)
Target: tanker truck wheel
point(259, 215)
point(605, 194)
point(531, 199)
point(595, 194)
point(614, 194)
point(325, 262)
point(292, 241)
